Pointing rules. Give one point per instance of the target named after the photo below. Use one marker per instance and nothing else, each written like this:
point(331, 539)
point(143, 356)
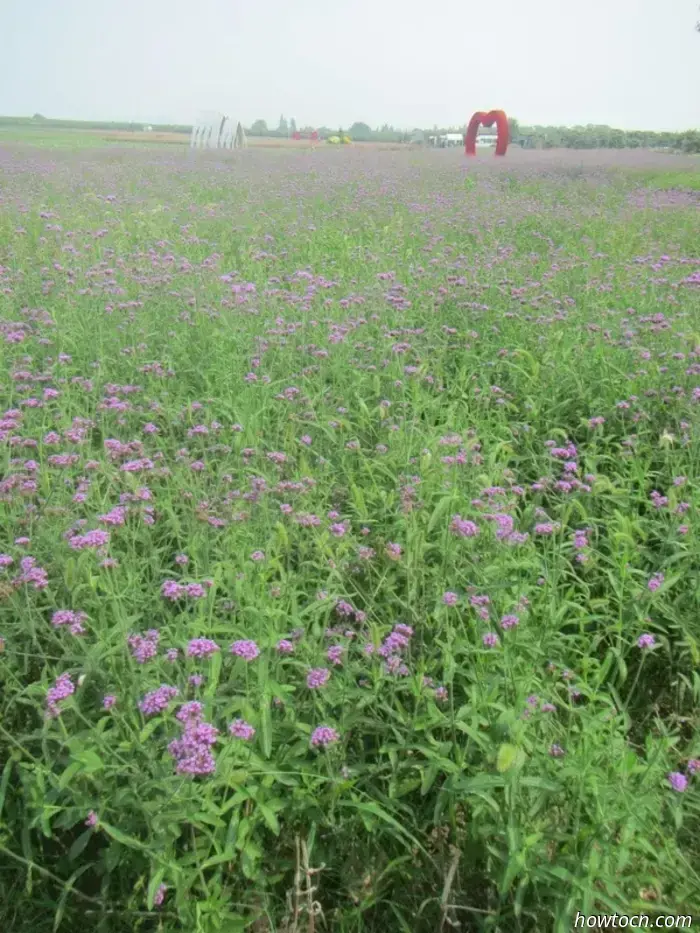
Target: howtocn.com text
point(632, 922)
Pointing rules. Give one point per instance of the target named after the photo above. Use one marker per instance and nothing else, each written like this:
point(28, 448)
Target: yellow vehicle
point(334, 140)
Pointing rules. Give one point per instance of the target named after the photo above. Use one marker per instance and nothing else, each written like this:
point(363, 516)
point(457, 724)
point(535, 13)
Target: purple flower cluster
point(173, 591)
point(201, 648)
point(158, 700)
point(61, 690)
point(246, 649)
point(193, 750)
point(144, 647)
point(317, 677)
point(463, 528)
point(323, 736)
point(90, 540)
point(240, 729)
point(31, 574)
point(75, 620)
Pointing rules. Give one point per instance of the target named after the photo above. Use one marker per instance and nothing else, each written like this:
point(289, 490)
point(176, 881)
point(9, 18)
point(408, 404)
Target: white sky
point(633, 64)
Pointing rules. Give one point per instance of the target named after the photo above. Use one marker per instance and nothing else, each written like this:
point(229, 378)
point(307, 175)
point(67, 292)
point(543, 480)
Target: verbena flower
point(248, 650)
point(201, 648)
point(678, 781)
point(61, 690)
point(158, 700)
point(240, 729)
point(317, 677)
point(322, 736)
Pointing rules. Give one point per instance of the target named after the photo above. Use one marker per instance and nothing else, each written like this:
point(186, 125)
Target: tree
point(292, 125)
point(283, 128)
point(259, 128)
point(360, 131)
point(513, 129)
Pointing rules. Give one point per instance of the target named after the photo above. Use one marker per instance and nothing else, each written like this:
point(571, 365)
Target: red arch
point(487, 119)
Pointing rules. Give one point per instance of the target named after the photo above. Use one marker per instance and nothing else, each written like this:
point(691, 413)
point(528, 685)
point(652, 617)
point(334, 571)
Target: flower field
point(349, 540)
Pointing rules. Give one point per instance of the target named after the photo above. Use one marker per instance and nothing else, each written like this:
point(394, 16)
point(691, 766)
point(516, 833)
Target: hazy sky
point(628, 63)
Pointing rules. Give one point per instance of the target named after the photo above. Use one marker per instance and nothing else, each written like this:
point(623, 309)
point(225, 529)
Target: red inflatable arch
point(487, 119)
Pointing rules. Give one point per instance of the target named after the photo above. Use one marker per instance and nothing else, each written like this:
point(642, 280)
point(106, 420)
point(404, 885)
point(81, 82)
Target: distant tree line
point(541, 137)
point(605, 137)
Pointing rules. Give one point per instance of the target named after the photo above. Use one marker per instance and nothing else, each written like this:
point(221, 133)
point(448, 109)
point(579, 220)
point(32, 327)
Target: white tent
point(213, 130)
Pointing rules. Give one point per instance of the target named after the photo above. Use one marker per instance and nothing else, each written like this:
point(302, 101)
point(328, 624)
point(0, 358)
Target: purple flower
point(449, 598)
point(490, 639)
point(323, 736)
point(655, 582)
point(344, 608)
point(91, 539)
point(192, 752)
point(463, 528)
point(284, 646)
point(335, 654)
point(393, 550)
point(646, 641)
point(546, 528)
point(69, 617)
point(248, 650)
point(190, 713)
point(202, 648)
point(240, 729)
point(556, 751)
point(61, 690)
point(678, 781)
point(509, 621)
point(144, 647)
point(92, 819)
point(694, 766)
point(172, 590)
point(158, 700)
point(257, 555)
point(108, 701)
point(159, 896)
point(317, 677)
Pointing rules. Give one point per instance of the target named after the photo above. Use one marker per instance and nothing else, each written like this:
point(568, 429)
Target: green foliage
point(414, 346)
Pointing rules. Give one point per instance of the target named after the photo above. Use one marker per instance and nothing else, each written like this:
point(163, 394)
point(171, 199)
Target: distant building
point(486, 139)
point(447, 140)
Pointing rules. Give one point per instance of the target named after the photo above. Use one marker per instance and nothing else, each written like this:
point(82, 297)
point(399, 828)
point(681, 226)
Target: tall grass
point(422, 449)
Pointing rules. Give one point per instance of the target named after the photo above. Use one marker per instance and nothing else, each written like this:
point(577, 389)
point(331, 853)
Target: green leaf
point(73, 768)
point(124, 838)
point(79, 845)
point(153, 887)
point(266, 729)
point(6, 771)
point(507, 757)
point(91, 761)
point(270, 818)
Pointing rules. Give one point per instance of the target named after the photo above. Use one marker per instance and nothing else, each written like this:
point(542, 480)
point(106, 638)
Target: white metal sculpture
point(214, 130)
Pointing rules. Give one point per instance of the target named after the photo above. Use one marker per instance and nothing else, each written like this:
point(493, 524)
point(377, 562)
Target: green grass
point(360, 337)
point(688, 178)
